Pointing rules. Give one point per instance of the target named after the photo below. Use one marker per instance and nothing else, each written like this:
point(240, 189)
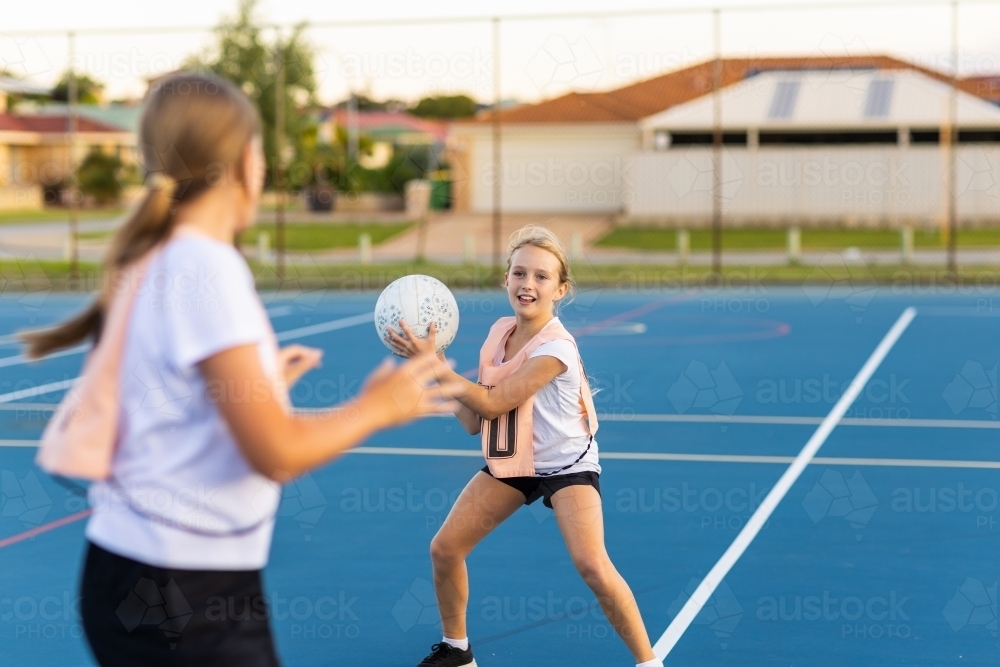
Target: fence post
point(469, 249)
point(576, 247)
point(365, 248)
point(906, 245)
point(263, 247)
point(683, 246)
point(794, 245)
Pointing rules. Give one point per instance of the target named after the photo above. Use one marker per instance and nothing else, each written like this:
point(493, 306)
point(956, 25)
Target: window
point(879, 98)
point(783, 102)
point(828, 138)
point(706, 139)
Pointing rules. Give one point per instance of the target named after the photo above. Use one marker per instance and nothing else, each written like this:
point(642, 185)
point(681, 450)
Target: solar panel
point(783, 102)
point(879, 98)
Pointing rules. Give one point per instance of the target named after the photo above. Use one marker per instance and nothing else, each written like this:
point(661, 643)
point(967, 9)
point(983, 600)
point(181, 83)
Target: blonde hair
point(195, 128)
point(541, 237)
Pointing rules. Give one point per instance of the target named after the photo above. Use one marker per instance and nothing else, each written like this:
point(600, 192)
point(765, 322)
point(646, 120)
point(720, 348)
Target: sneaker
point(446, 655)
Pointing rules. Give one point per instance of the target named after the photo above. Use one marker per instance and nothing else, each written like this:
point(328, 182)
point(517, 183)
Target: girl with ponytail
point(202, 429)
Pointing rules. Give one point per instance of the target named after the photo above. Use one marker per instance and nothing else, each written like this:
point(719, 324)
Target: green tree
point(445, 106)
point(88, 90)
point(242, 54)
point(100, 176)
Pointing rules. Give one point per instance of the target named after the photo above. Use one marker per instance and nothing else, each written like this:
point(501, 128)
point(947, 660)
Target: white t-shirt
point(559, 425)
point(182, 495)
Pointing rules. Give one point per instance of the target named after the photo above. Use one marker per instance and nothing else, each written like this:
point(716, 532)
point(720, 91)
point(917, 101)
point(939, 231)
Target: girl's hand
point(295, 361)
point(408, 345)
point(413, 389)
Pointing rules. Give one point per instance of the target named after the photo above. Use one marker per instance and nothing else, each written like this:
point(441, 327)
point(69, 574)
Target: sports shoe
point(446, 655)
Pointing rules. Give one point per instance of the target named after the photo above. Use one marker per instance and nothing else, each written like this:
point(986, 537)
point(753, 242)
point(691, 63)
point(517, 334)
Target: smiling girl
point(535, 413)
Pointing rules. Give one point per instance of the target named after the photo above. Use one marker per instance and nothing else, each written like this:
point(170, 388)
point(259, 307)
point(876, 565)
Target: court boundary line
point(781, 420)
point(639, 418)
point(698, 458)
point(704, 458)
point(694, 604)
point(766, 420)
point(681, 457)
point(44, 528)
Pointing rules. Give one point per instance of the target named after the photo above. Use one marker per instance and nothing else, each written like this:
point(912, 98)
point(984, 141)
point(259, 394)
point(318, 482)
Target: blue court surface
point(884, 551)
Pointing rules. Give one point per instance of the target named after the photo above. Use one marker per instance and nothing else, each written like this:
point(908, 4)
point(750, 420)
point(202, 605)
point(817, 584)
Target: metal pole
point(352, 128)
point(953, 146)
point(717, 144)
point(279, 150)
point(497, 166)
point(74, 215)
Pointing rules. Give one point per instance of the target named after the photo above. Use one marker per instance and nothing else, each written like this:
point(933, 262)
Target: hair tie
point(158, 180)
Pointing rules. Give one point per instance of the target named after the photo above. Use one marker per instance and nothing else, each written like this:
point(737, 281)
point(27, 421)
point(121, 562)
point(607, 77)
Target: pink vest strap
point(507, 440)
point(81, 437)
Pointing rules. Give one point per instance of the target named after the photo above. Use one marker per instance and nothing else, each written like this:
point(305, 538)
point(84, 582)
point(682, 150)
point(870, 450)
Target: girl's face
point(533, 286)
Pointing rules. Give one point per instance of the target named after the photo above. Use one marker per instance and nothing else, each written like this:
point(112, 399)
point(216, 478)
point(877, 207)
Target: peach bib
point(507, 440)
point(80, 439)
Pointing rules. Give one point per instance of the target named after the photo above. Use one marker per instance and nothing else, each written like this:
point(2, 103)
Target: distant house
point(386, 129)
point(644, 150)
point(35, 155)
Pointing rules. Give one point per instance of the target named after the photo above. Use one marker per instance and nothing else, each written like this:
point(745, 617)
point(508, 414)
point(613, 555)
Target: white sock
point(655, 662)
point(462, 644)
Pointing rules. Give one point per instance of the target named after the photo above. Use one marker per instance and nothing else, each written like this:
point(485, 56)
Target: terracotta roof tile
point(51, 124)
point(644, 98)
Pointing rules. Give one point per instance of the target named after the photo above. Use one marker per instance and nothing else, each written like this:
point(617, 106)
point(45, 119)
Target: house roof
point(986, 87)
point(389, 124)
point(645, 98)
point(124, 118)
point(52, 124)
point(810, 99)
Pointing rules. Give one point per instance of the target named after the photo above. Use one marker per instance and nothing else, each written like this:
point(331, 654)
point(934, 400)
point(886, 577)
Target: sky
point(540, 57)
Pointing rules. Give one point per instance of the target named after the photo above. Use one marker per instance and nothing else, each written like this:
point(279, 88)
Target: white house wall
point(868, 185)
point(557, 168)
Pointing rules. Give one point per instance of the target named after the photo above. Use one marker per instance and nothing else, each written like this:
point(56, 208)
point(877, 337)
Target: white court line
point(19, 359)
point(657, 456)
point(301, 332)
point(778, 420)
point(703, 458)
point(694, 604)
point(774, 420)
point(342, 323)
point(37, 391)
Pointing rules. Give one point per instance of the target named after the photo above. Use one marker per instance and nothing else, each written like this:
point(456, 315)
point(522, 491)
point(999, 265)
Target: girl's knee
point(443, 551)
point(596, 569)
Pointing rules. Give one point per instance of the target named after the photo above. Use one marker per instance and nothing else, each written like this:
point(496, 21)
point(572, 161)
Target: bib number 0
point(502, 435)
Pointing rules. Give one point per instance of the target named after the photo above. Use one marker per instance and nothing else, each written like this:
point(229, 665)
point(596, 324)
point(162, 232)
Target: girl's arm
point(472, 422)
point(282, 446)
point(522, 384)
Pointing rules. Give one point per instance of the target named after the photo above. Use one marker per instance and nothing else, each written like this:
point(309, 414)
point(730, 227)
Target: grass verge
point(57, 215)
point(307, 237)
point(23, 276)
point(760, 238)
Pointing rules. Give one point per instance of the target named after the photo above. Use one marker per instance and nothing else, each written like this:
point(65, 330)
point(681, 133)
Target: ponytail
point(193, 124)
point(149, 224)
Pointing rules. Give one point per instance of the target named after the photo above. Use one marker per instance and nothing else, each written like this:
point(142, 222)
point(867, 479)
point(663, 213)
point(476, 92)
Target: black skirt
point(136, 614)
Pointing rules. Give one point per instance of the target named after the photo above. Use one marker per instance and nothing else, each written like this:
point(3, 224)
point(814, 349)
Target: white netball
point(419, 300)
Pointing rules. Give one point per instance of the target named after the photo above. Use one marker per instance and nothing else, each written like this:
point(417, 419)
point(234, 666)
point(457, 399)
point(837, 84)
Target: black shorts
point(534, 488)
point(139, 614)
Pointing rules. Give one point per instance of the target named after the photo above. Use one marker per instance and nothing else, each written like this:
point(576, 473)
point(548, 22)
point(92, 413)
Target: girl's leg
point(482, 506)
point(581, 520)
